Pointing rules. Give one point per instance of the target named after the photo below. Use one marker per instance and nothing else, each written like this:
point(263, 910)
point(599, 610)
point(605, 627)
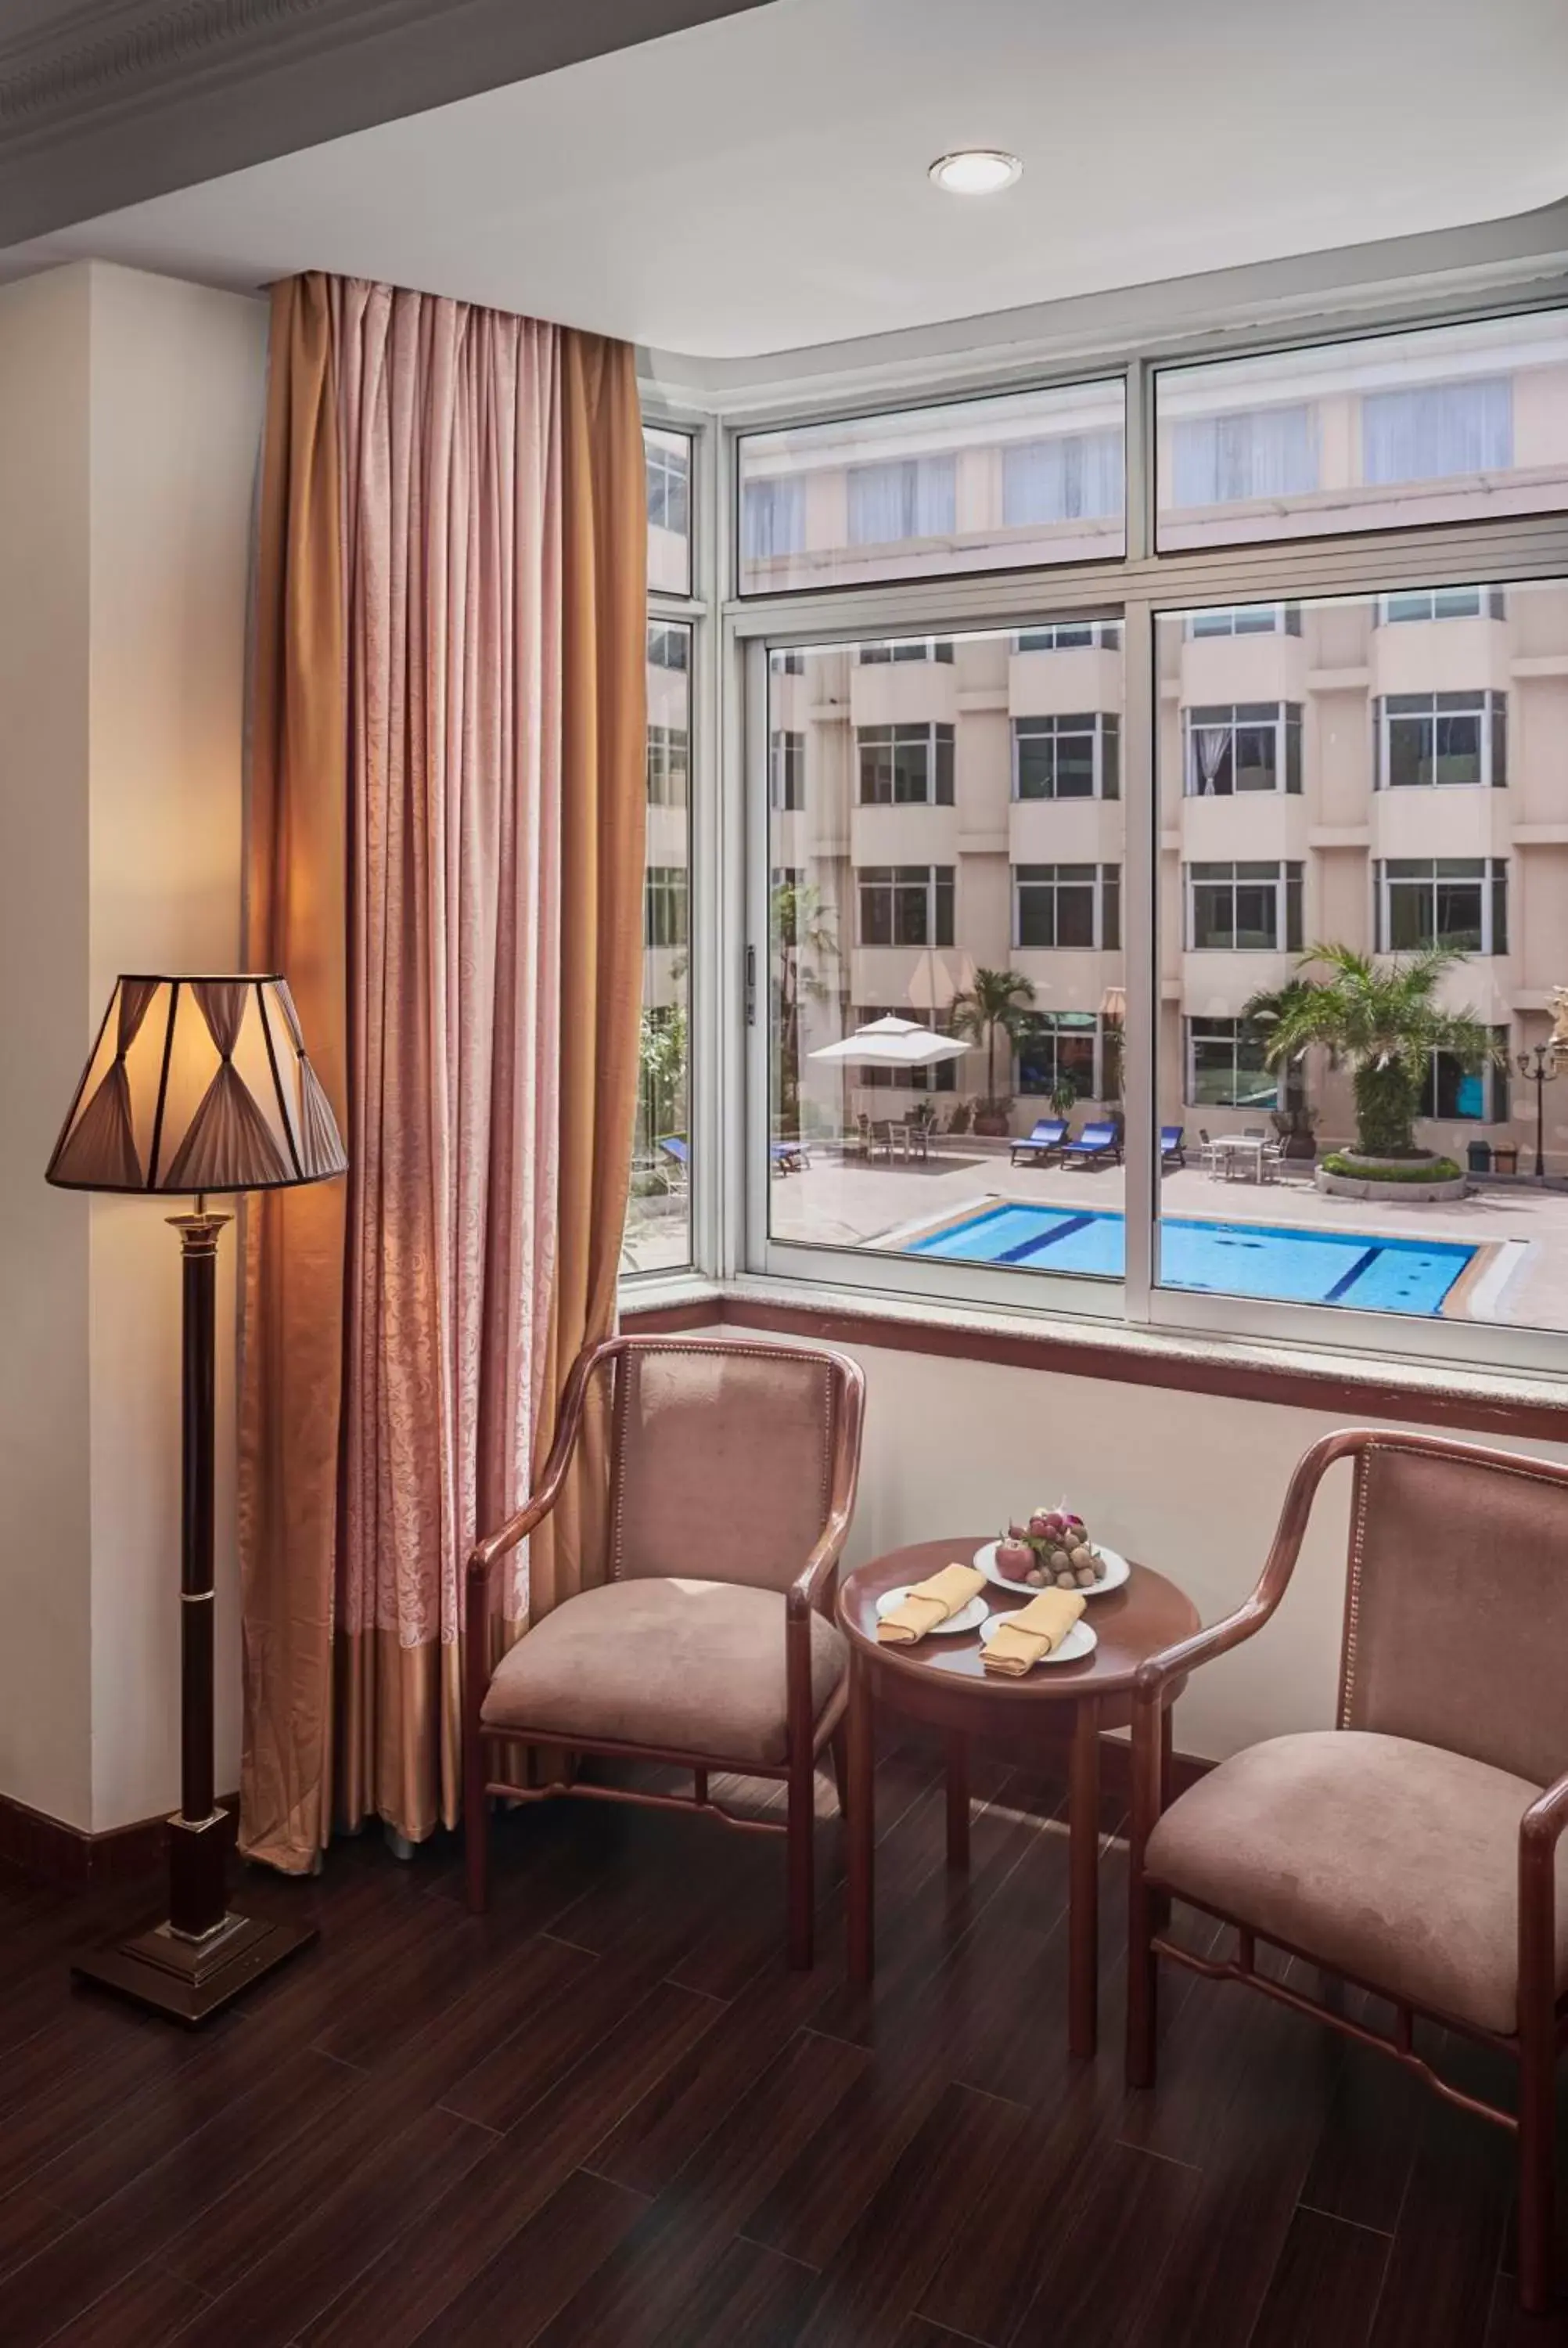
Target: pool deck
point(1522, 1278)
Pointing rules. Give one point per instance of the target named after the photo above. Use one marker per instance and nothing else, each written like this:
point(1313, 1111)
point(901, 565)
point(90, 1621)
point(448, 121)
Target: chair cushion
point(691, 1666)
point(1394, 1862)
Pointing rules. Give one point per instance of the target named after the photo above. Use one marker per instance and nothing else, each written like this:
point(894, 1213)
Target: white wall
point(130, 425)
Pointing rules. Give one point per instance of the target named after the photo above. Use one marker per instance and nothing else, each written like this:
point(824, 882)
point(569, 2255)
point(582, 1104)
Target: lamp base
point(190, 1980)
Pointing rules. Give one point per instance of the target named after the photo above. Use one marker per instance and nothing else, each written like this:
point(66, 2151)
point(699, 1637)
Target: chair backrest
point(1170, 1135)
point(1456, 1609)
point(723, 1457)
point(673, 1147)
point(1096, 1136)
point(1049, 1129)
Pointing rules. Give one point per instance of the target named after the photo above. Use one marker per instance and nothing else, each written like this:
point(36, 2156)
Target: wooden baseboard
point(55, 1853)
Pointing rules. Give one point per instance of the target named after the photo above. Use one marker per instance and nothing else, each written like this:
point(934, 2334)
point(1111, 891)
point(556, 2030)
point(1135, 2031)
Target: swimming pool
point(1351, 1268)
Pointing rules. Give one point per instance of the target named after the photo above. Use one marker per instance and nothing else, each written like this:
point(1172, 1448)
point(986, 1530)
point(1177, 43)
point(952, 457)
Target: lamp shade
point(197, 1085)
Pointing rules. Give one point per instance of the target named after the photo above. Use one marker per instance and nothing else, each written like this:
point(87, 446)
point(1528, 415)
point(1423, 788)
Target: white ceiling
point(759, 184)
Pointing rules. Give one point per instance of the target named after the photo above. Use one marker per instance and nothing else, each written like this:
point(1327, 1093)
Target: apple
point(1015, 1559)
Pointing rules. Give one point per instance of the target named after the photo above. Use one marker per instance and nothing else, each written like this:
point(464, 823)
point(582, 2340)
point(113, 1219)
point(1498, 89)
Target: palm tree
point(803, 936)
point(993, 1003)
point(1380, 1020)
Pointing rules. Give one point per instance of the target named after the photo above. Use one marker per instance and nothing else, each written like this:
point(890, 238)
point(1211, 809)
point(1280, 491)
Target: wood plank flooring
point(607, 2116)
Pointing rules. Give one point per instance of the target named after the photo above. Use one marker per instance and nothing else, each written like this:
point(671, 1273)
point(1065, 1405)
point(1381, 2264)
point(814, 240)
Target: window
point(906, 765)
point(1246, 745)
point(787, 764)
point(908, 648)
point(941, 1078)
point(773, 519)
point(1244, 908)
point(1064, 479)
point(788, 663)
point(1057, 1049)
point(1457, 902)
point(1070, 635)
point(1247, 619)
point(915, 498)
point(665, 922)
point(1008, 482)
point(1437, 740)
point(1065, 905)
point(669, 758)
point(1433, 424)
point(1443, 604)
point(1073, 757)
point(905, 905)
point(1468, 1095)
point(1226, 1066)
point(1439, 428)
point(669, 647)
point(667, 458)
point(1258, 452)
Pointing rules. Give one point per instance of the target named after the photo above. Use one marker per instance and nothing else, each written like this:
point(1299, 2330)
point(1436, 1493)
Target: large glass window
point(1254, 908)
point(1059, 1053)
point(1437, 424)
point(1025, 477)
point(668, 460)
point(905, 905)
point(1434, 740)
point(1059, 905)
point(658, 1233)
point(906, 765)
point(1226, 1067)
point(1457, 902)
point(1076, 757)
point(1242, 745)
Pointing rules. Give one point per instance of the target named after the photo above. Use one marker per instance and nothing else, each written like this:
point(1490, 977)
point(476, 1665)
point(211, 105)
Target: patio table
point(1233, 1147)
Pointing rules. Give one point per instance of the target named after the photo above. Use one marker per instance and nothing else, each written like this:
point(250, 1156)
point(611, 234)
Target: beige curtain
point(488, 777)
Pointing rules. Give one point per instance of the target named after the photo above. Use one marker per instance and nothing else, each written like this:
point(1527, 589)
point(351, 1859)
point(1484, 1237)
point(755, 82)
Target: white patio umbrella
point(892, 1042)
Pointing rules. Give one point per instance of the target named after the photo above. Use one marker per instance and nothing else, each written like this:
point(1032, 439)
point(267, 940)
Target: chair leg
point(1537, 2164)
point(801, 1841)
point(1143, 1981)
point(475, 1826)
point(839, 1749)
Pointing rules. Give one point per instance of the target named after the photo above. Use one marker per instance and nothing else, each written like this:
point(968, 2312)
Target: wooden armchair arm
point(809, 1591)
point(1540, 1830)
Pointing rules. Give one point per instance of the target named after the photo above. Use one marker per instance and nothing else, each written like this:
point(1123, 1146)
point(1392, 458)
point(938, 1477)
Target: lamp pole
point(1538, 1067)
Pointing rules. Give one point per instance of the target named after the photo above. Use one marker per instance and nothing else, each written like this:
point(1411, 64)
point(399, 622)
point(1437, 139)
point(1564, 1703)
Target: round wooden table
point(941, 1681)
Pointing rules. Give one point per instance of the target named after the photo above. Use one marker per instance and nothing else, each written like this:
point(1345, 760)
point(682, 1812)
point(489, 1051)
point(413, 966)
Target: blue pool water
point(1376, 1275)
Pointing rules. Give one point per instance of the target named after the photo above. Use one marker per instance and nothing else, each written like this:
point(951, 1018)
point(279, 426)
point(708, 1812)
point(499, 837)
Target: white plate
point(1080, 1641)
point(1117, 1571)
point(967, 1618)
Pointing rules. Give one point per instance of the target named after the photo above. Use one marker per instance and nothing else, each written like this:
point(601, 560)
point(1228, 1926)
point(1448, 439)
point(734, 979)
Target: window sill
point(1507, 1405)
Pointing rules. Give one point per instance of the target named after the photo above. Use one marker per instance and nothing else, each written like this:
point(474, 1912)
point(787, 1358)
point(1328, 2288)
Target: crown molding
point(105, 103)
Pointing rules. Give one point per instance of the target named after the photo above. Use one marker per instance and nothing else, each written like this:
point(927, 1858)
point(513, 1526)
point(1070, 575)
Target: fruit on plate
point(1050, 1550)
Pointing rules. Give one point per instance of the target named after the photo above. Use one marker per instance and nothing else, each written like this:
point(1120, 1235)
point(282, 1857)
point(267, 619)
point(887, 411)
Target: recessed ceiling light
point(976, 172)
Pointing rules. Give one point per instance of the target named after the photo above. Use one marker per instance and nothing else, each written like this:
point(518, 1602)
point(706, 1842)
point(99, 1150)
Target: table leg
point(1083, 1875)
point(958, 1799)
point(860, 1826)
point(1160, 1901)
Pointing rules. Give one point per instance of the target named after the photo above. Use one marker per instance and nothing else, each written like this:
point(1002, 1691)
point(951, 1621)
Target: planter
point(1395, 1179)
point(995, 1127)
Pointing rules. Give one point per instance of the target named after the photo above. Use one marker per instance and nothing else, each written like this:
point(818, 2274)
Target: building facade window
point(908, 648)
point(668, 460)
point(1441, 740)
point(666, 920)
point(912, 497)
point(1247, 619)
point(1069, 757)
point(1059, 906)
point(905, 766)
point(1058, 1048)
point(1243, 746)
point(1071, 477)
point(1248, 907)
point(1457, 902)
point(942, 1078)
point(1260, 452)
point(1468, 1095)
point(788, 663)
point(668, 765)
point(669, 648)
point(773, 518)
point(1070, 636)
point(1437, 429)
point(905, 905)
point(786, 757)
point(1226, 1068)
point(1443, 604)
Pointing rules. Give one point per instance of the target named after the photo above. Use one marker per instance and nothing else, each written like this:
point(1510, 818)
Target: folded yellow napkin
point(929, 1603)
point(1036, 1630)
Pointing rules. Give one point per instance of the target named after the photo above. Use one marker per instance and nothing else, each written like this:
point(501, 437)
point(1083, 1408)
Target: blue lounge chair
point(1095, 1141)
point(680, 1155)
point(1047, 1139)
point(791, 1157)
point(1172, 1153)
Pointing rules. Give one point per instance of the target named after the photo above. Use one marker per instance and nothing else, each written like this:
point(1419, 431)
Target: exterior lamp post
point(1538, 1067)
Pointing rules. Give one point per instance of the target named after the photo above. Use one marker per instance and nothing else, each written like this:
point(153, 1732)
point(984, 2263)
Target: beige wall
point(123, 727)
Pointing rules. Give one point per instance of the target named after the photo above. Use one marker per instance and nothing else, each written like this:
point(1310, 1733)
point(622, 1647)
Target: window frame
point(1104, 727)
point(1133, 593)
point(1103, 882)
point(1491, 883)
point(1491, 712)
point(1285, 725)
point(1285, 876)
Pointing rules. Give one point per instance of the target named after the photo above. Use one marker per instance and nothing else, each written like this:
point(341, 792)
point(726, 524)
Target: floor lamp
point(197, 1086)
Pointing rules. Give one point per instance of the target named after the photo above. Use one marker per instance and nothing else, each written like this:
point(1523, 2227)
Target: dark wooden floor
point(606, 2116)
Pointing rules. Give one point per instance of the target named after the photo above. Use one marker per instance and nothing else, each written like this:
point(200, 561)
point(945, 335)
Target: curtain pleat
point(489, 792)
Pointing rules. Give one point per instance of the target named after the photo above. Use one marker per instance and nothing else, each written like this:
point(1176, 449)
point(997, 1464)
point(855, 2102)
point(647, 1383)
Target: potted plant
point(1295, 1124)
point(1063, 1098)
point(994, 1005)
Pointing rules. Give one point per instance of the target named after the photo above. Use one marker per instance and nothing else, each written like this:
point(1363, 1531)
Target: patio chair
point(1045, 1141)
point(1172, 1152)
point(709, 1644)
point(678, 1158)
point(1210, 1154)
point(1096, 1142)
point(1411, 1849)
point(791, 1157)
point(881, 1137)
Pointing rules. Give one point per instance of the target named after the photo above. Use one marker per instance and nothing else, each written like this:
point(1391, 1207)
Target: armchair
point(1411, 1848)
point(711, 1643)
